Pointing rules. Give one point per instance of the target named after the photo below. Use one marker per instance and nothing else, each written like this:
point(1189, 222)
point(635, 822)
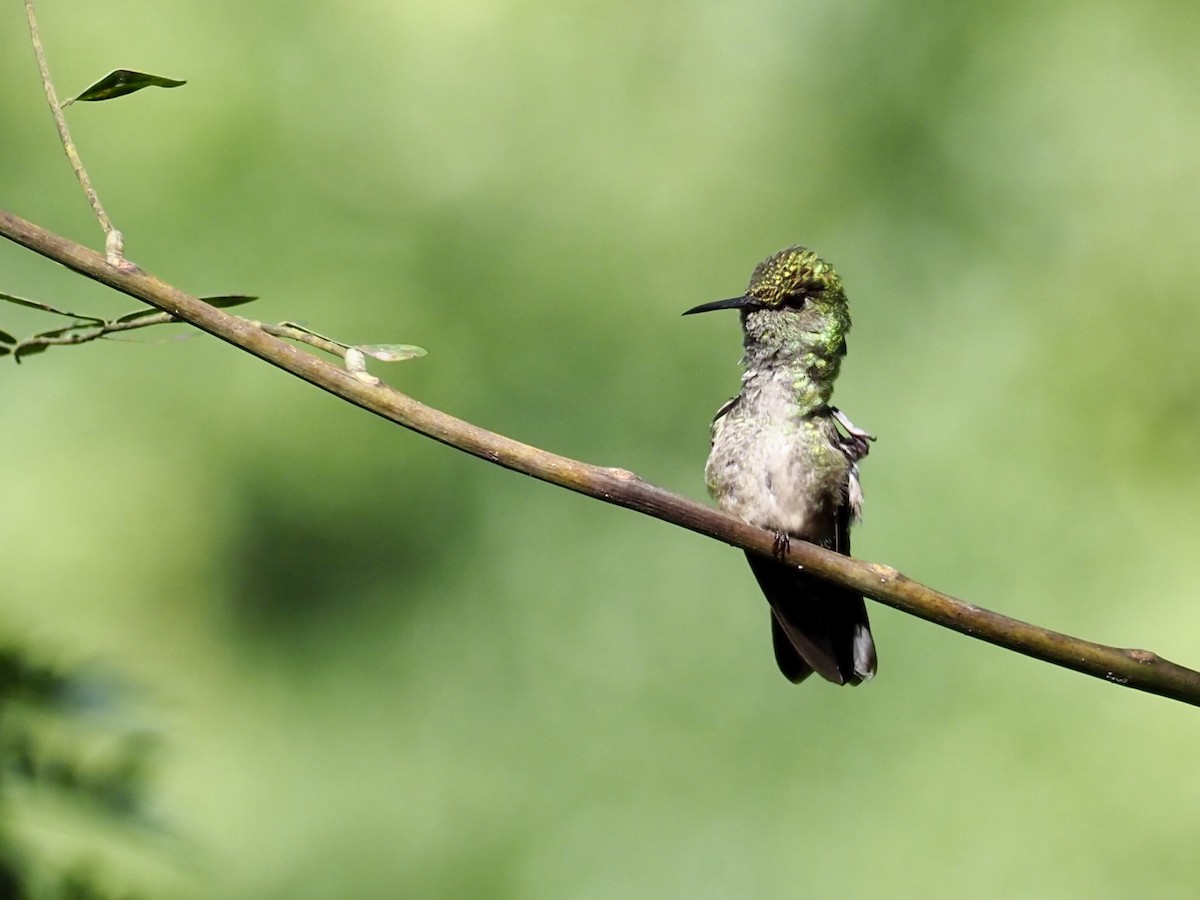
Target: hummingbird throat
point(803, 363)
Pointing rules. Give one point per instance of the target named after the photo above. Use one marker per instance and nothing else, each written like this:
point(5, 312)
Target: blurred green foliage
point(390, 670)
point(72, 766)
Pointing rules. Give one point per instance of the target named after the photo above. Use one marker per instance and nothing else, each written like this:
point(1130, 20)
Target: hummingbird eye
point(801, 294)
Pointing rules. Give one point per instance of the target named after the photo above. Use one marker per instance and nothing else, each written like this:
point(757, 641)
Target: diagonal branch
point(1138, 669)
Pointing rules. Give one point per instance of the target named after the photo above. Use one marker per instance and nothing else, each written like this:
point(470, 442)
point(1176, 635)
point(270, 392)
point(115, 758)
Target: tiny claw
point(851, 429)
point(782, 542)
point(857, 442)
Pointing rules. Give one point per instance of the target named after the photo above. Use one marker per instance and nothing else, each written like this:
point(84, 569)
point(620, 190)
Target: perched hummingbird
point(780, 461)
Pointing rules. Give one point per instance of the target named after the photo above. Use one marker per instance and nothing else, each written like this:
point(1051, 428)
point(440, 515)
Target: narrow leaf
point(140, 314)
point(6, 338)
point(229, 300)
point(392, 352)
point(23, 350)
point(120, 83)
point(57, 332)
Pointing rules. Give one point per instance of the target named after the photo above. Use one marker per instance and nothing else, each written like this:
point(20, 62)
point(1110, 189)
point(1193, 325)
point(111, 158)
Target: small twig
point(82, 332)
point(89, 328)
point(114, 242)
point(354, 357)
point(1138, 669)
point(294, 332)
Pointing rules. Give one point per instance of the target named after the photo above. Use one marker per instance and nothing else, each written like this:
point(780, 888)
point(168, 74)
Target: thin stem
point(114, 246)
point(94, 330)
point(1138, 669)
point(294, 332)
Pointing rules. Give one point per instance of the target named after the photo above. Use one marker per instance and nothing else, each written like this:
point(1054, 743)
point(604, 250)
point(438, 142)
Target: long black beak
point(731, 303)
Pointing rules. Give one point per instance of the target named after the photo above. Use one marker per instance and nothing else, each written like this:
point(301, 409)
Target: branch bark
point(1138, 669)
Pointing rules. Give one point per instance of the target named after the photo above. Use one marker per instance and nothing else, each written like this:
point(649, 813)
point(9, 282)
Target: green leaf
point(229, 300)
point(46, 307)
point(138, 314)
point(23, 350)
point(120, 83)
point(392, 352)
point(57, 332)
point(6, 338)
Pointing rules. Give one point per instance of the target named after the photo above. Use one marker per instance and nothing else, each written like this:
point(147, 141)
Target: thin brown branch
point(114, 243)
point(1138, 669)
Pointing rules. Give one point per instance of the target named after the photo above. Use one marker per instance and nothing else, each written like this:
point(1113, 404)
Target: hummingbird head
point(794, 309)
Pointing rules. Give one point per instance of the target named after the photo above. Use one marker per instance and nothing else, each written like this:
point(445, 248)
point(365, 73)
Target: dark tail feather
point(790, 662)
point(814, 625)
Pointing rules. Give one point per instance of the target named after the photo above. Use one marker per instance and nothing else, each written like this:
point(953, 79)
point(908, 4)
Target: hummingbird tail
point(815, 626)
point(787, 657)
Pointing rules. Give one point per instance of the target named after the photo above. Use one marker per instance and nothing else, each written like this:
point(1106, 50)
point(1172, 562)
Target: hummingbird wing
point(816, 626)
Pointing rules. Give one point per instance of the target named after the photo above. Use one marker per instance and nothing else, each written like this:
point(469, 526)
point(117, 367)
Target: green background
point(382, 668)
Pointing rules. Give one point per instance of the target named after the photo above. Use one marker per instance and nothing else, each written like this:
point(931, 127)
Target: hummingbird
point(783, 459)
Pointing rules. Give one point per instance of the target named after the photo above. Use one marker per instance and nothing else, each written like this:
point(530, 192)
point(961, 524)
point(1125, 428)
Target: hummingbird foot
point(783, 541)
point(856, 443)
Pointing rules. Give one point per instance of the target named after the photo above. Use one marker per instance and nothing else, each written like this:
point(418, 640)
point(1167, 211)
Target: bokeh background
point(382, 668)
